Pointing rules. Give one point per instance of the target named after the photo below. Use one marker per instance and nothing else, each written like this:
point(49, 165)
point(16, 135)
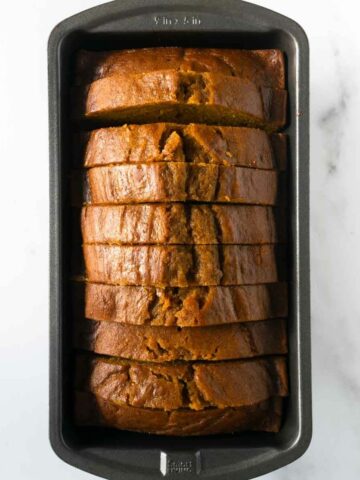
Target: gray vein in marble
point(338, 359)
point(332, 121)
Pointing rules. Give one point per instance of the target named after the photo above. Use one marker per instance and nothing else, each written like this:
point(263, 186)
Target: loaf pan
point(124, 455)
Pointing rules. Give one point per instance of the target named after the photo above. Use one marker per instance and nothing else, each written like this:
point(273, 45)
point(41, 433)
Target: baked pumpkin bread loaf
point(93, 410)
point(182, 385)
point(180, 316)
point(183, 265)
point(184, 307)
point(179, 223)
point(169, 142)
point(178, 182)
point(263, 67)
point(167, 344)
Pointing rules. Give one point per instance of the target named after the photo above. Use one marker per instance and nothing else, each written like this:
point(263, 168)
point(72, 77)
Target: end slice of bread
point(94, 410)
point(173, 96)
point(263, 67)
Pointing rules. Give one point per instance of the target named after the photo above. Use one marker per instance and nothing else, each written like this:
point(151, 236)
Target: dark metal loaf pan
point(139, 23)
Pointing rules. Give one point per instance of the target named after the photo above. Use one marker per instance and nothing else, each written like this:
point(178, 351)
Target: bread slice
point(80, 191)
point(183, 266)
point(188, 385)
point(264, 67)
point(93, 410)
point(184, 307)
point(177, 182)
point(184, 97)
point(169, 142)
point(178, 223)
point(167, 344)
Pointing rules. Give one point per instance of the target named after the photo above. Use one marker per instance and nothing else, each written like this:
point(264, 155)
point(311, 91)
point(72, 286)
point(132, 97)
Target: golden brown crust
point(176, 223)
point(168, 142)
point(184, 307)
point(263, 67)
point(183, 266)
point(173, 96)
point(167, 344)
point(195, 386)
point(92, 410)
point(177, 182)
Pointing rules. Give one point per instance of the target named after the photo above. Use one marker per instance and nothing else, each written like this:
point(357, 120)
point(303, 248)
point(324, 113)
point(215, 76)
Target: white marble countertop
point(333, 31)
